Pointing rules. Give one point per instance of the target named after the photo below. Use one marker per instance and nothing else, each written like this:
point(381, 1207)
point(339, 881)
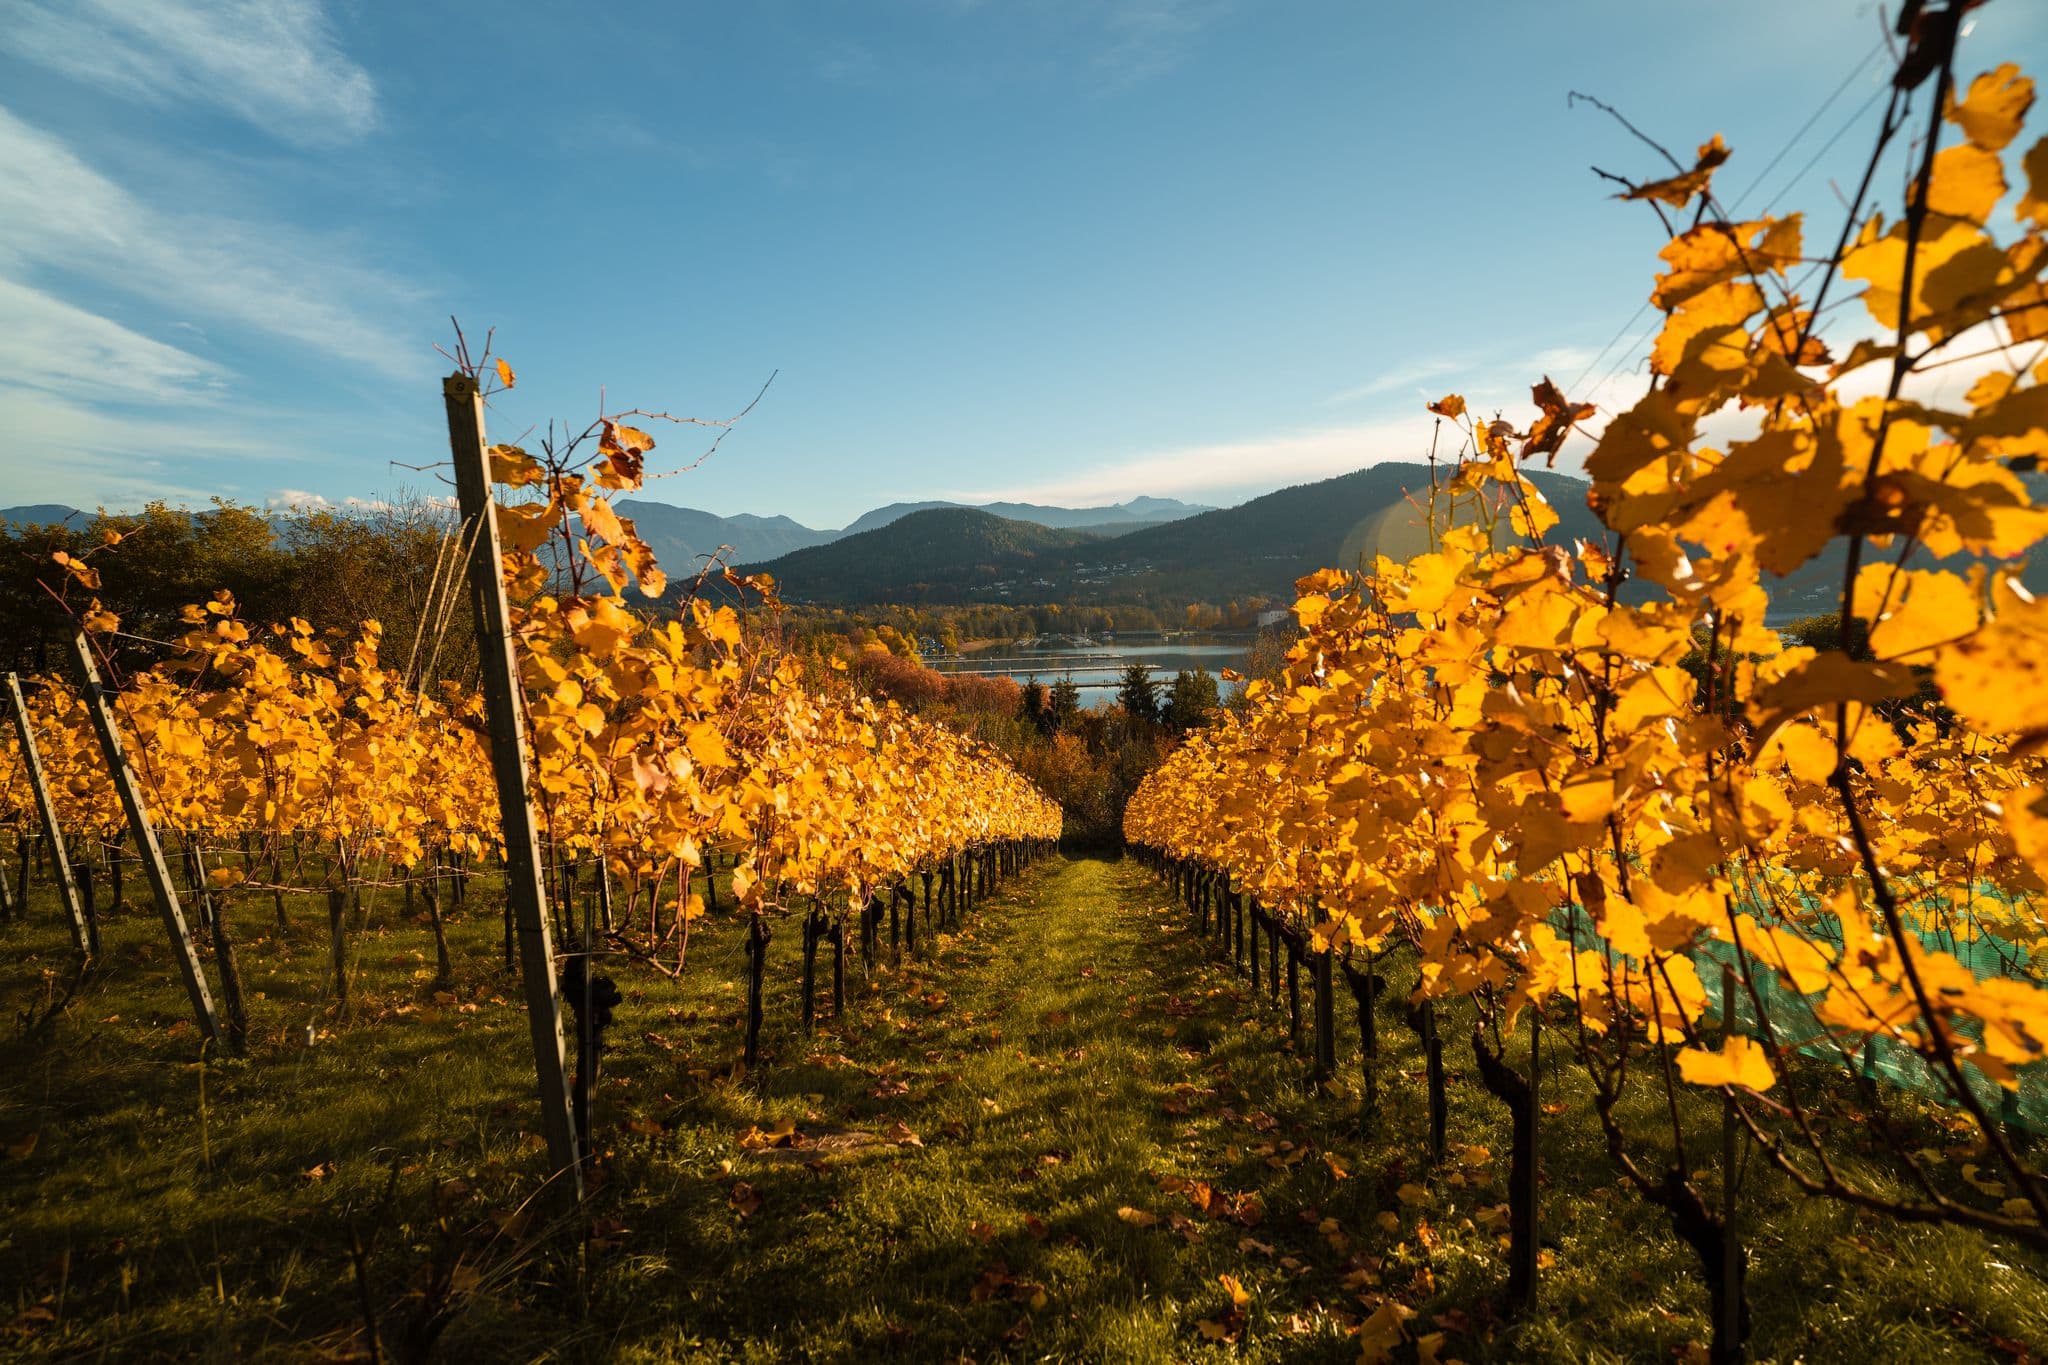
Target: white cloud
point(274, 63)
point(1259, 462)
point(1406, 376)
point(57, 212)
point(56, 450)
point(1429, 378)
point(299, 500)
point(46, 343)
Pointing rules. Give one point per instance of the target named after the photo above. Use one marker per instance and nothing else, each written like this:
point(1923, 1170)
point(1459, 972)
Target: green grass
point(1071, 1052)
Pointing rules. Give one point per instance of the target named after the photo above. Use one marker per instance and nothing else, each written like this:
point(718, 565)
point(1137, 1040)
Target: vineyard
point(1551, 958)
point(1646, 833)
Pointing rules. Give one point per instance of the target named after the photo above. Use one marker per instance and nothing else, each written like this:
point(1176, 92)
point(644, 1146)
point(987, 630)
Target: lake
point(1097, 669)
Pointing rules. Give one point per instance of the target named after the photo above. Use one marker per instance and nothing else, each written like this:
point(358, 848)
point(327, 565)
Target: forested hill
point(1263, 545)
point(1114, 519)
point(1256, 549)
point(944, 554)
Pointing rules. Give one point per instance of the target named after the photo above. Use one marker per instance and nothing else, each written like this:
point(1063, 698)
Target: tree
point(1036, 708)
point(890, 676)
point(1138, 694)
point(166, 558)
point(1190, 699)
point(1064, 705)
point(970, 693)
point(383, 563)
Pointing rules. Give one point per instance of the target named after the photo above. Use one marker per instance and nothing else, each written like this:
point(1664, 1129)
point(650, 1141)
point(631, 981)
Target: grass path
point(1051, 1060)
point(1045, 1139)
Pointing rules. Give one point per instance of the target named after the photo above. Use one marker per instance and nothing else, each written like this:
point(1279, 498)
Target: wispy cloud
point(58, 213)
point(48, 344)
point(1430, 376)
point(1256, 463)
point(1146, 38)
point(1401, 377)
point(59, 450)
point(1259, 463)
point(274, 63)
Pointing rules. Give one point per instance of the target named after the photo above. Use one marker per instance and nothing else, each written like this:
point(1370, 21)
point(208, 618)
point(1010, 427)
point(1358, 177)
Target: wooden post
point(337, 947)
point(82, 936)
point(525, 895)
point(1524, 1200)
point(1294, 989)
point(1273, 957)
point(837, 934)
point(1730, 1331)
point(1252, 928)
point(1439, 1102)
point(813, 926)
point(147, 850)
point(1365, 989)
point(757, 966)
point(223, 958)
point(1326, 1010)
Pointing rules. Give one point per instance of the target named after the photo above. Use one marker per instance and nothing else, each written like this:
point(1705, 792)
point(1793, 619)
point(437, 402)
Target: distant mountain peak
point(1113, 516)
point(1163, 509)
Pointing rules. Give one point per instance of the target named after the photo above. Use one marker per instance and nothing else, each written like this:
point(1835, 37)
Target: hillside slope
point(943, 554)
point(43, 514)
point(1111, 519)
point(1262, 546)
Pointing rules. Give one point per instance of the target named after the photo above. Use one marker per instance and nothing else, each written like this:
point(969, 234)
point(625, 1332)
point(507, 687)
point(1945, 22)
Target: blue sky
point(1064, 250)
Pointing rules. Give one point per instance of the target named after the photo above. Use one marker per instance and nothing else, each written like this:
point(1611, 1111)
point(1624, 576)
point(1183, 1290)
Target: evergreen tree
point(1063, 708)
point(1138, 694)
point(1190, 699)
point(1036, 709)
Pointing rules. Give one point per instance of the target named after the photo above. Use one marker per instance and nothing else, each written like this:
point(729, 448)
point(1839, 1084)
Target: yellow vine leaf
point(513, 467)
point(1740, 1062)
point(1913, 610)
point(1992, 109)
point(1968, 182)
point(1996, 677)
point(2033, 205)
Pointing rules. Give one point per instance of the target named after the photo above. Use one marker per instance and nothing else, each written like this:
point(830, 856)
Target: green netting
point(1792, 1020)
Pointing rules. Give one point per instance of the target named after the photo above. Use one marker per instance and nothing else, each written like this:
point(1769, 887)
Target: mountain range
point(1155, 551)
point(1256, 549)
point(681, 536)
point(954, 554)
